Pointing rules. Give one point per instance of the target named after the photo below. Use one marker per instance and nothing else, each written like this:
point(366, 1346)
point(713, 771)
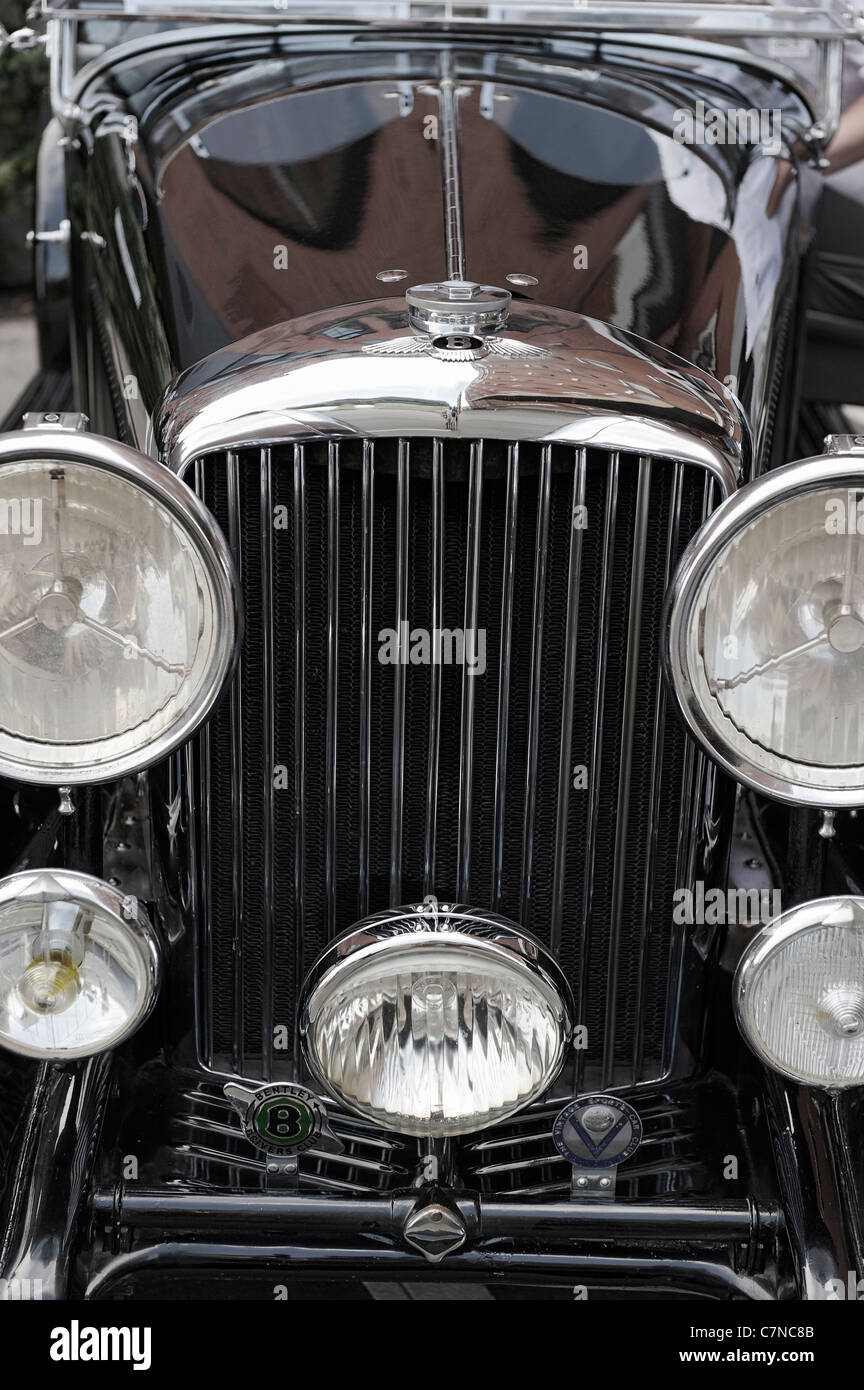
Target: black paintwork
point(310, 146)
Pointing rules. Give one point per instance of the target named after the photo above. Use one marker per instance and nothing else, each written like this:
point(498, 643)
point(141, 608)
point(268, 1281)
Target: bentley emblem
point(597, 1131)
point(426, 346)
point(282, 1118)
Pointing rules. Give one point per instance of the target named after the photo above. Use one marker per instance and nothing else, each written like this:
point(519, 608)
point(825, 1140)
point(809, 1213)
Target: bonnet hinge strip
point(448, 131)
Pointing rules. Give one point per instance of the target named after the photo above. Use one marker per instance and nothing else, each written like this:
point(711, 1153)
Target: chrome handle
point(20, 40)
point(62, 234)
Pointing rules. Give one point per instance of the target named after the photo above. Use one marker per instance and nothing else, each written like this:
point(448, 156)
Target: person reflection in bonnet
point(836, 284)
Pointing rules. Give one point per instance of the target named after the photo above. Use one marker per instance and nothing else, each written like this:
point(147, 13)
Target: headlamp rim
point(43, 445)
point(798, 921)
point(95, 893)
point(820, 473)
point(425, 927)
point(501, 937)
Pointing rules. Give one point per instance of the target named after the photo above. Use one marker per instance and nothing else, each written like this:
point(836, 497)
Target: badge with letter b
point(282, 1119)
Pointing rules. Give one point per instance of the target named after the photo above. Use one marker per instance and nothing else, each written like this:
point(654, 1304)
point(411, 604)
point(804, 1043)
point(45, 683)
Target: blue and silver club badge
point(597, 1131)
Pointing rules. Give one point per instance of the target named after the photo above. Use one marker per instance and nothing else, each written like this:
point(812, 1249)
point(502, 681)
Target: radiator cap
point(457, 307)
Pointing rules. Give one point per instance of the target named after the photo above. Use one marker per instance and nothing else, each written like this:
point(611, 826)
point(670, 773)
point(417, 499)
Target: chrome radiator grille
point(556, 787)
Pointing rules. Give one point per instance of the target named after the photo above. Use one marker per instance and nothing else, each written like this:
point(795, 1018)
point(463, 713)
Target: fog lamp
point(436, 1020)
point(79, 965)
point(799, 992)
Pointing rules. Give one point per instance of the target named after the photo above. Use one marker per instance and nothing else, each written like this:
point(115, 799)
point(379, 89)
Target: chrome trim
point(238, 819)
point(448, 117)
point(127, 915)
point(330, 749)
point(74, 92)
point(656, 786)
point(397, 772)
point(428, 922)
point(269, 759)
point(435, 670)
point(746, 79)
point(610, 483)
point(368, 486)
point(631, 690)
point(49, 1179)
point(473, 545)
point(594, 385)
point(448, 309)
point(818, 474)
point(41, 445)
point(544, 506)
point(565, 773)
point(602, 646)
point(845, 909)
point(424, 926)
point(200, 843)
point(299, 706)
point(757, 20)
point(692, 802)
point(688, 1271)
point(507, 593)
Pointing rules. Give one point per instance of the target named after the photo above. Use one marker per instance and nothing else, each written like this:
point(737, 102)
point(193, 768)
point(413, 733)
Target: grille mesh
point(437, 772)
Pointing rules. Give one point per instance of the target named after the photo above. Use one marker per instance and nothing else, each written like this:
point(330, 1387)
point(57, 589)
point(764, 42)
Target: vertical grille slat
point(472, 583)
point(544, 502)
point(331, 749)
point(404, 777)
point(656, 785)
point(595, 763)
point(367, 542)
point(298, 578)
point(565, 769)
point(236, 757)
point(203, 849)
point(268, 765)
point(506, 649)
point(631, 680)
point(403, 465)
point(436, 608)
point(695, 772)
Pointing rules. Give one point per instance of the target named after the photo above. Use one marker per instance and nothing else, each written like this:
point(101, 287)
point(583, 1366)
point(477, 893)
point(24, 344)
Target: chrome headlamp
point(766, 633)
point(117, 609)
point(435, 1021)
point(799, 993)
point(79, 965)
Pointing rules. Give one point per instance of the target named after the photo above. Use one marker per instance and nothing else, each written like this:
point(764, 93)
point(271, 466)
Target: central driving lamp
point(436, 1021)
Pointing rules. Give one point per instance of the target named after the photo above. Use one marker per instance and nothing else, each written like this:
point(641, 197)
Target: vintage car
point(431, 631)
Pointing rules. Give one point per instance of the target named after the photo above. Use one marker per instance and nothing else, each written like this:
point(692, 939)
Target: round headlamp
point(79, 965)
point(766, 633)
point(436, 1021)
point(117, 609)
point(799, 993)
